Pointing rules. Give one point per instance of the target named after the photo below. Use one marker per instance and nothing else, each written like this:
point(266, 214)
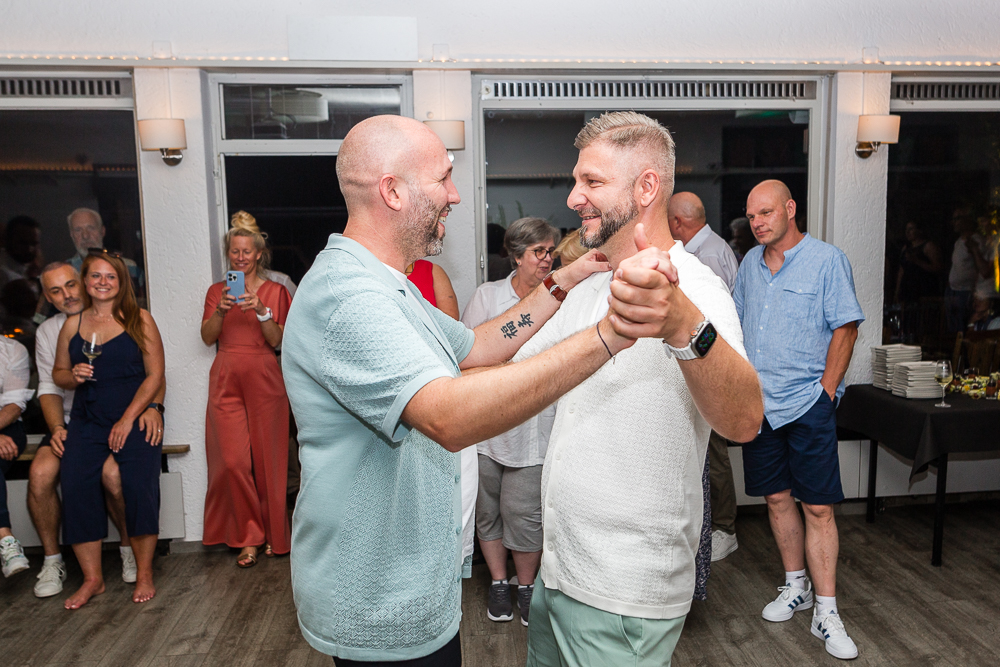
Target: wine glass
point(92, 350)
point(943, 375)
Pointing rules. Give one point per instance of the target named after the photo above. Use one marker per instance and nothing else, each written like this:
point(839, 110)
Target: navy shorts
point(801, 456)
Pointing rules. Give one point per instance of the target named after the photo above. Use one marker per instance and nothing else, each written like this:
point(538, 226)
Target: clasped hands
point(646, 300)
point(249, 301)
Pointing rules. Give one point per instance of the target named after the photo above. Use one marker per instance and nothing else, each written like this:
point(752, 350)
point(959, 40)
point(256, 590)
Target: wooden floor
point(899, 609)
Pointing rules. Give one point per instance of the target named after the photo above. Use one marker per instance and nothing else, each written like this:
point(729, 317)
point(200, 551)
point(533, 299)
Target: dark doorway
point(296, 200)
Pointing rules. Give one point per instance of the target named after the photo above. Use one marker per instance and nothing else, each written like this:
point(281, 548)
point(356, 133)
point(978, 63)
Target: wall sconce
point(451, 133)
point(165, 135)
point(875, 130)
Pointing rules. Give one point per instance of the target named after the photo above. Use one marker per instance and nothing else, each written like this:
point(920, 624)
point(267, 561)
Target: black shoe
point(524, 602)
point(498, 607)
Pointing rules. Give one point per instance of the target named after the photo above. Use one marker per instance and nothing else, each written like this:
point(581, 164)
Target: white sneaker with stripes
point(830, 629)
point(790, 600)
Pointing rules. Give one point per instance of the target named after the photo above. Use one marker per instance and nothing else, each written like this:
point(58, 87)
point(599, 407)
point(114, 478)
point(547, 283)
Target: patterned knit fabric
point(376, 538)
point(622, 484)
point(703, 560)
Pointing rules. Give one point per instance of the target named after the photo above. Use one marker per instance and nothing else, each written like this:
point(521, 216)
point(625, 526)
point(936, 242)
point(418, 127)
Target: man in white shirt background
point(686, 215)
point(61, 286)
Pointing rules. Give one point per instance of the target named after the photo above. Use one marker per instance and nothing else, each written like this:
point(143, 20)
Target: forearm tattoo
point(509, 330)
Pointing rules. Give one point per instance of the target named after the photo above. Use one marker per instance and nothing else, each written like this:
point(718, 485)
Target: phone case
point(236, 284)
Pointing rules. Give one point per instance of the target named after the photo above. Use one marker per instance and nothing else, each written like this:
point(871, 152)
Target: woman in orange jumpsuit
point(246, 428)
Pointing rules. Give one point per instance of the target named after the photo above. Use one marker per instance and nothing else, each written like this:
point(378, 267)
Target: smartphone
point(235, 283)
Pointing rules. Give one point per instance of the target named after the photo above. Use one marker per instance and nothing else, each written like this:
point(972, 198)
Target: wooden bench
point(35, 440)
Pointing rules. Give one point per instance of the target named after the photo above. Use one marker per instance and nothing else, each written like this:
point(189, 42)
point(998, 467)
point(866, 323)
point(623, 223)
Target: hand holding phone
point(236, 282)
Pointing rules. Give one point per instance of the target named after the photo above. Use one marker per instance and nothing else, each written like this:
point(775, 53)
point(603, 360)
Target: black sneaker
point(524, 602)
point(498, 607)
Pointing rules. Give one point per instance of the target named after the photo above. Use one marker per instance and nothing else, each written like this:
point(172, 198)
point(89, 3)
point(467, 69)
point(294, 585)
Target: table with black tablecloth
point(919, 431)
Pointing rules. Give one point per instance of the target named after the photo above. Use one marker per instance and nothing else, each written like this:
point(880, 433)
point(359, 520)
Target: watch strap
point(695, 349)
point(550, 284)
point(265, 317)
point(157, 406)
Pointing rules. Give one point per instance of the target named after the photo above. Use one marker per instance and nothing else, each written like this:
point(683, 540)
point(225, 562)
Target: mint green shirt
point(377, 530)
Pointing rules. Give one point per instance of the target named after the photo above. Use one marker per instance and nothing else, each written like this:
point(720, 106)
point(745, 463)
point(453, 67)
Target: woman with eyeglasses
point(509, 504)
point(246, 427)
point(115, 413)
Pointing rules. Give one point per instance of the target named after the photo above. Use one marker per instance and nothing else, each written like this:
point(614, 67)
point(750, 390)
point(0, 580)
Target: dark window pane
point(304, 111)
point(296, 200)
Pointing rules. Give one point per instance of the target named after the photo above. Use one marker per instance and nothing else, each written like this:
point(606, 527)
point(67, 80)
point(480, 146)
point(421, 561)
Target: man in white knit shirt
point(622, 481)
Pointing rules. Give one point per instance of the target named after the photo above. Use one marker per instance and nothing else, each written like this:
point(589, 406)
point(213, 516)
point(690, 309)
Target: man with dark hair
point(793, 286)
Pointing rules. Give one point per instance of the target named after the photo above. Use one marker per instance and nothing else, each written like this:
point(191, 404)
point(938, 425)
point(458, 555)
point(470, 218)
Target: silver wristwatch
point(702, 339)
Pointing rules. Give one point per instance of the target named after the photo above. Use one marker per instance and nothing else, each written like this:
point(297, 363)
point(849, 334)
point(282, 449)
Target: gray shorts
point(509, 505)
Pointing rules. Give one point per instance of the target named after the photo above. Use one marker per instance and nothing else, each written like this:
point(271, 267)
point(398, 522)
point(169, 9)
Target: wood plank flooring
point(899, 609)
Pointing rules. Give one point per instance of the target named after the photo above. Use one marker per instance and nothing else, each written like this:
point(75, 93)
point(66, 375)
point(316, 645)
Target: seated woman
point(14, 395)
point(112, 408)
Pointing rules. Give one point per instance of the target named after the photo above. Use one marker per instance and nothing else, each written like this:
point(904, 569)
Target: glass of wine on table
point(92, 350)
point(943, 375)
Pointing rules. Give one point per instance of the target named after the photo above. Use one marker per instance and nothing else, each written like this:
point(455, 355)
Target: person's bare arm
point(647, 302)
point(444, 293)
point(838, 357)
point(458, 412)
point(9, 414)
point(500, 338)
point(62, 369)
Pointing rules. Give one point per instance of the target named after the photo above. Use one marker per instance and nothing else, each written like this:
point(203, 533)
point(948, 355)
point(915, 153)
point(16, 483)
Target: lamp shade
point(451, 132)
point(881, 129)
point(159, 133)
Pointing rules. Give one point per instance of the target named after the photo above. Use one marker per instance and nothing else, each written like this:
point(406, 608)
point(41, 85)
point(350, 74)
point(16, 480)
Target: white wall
point(713, 29)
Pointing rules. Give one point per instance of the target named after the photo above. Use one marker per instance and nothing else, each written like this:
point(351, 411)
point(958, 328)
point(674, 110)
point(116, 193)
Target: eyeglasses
point(99, 252)
point(540, 253)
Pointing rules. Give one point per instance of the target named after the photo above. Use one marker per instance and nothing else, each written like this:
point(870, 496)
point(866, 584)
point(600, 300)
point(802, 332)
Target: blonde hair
point(633, 132)
point(242, 223)
point(569, 249)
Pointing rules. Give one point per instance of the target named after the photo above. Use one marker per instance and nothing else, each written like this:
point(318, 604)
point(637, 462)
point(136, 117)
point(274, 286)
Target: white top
point(282, 279)
point(963, 275)
point(714, 253)
point(523, 445)
point(46, 340)
point(986, 287)
point(15, 371)
point(621, 487)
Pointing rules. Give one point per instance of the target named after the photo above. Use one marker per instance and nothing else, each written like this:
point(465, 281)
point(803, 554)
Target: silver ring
point(159, 430)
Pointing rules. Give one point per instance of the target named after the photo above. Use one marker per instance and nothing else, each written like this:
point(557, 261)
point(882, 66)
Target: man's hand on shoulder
point(573, 274)
point(647, 299)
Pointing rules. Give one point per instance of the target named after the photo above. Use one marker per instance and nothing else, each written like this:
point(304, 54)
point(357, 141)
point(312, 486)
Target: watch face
point(703, 343)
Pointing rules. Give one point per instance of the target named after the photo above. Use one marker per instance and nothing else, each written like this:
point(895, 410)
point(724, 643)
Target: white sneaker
point(723, 544)
point(50, 579)
point(791, 600)
point(128, 566)
point(830, 629)
point(12, 558)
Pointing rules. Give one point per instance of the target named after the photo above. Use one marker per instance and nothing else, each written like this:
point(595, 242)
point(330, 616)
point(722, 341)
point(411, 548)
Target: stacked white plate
point(915, 379)
point(884, 357)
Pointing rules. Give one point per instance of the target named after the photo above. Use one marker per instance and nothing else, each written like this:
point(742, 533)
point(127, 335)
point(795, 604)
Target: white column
point(447, 95)
point(175, 204)
point(856, 204)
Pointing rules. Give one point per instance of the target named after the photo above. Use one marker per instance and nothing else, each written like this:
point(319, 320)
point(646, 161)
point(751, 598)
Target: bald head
point(771, 212)
point(686, 215)
point(773, 189)
point(379, 146)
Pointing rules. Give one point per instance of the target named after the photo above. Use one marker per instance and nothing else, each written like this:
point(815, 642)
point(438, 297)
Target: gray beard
point(612, 222)
point(420, 237)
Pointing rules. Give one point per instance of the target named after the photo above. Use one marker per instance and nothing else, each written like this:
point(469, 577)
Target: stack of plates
point(884, 357)
point(915, 379)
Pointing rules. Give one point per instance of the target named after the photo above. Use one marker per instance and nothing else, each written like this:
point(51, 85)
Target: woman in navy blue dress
point(113, 415)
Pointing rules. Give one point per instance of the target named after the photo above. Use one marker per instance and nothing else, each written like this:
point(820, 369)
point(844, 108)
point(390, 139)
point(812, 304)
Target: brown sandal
point(247, 558)
point(268, 551)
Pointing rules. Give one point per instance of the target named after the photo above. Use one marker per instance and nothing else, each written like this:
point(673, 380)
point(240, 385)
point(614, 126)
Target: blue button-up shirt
point(788, 321)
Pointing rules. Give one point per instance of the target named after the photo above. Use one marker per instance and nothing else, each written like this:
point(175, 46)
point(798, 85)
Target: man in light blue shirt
point(796, 301)
point(374, 377)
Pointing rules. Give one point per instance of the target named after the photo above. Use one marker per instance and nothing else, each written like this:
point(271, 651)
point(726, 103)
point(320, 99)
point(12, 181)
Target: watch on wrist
point(156, 406)
point(550, 284)
point(265, 317)
point(702, 339)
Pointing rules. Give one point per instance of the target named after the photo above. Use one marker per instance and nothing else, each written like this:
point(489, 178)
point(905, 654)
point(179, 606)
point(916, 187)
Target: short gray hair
point(631, 131)
point(84, 209)
point(525, 232)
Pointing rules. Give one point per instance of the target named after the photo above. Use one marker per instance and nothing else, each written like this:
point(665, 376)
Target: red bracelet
point(556, 291)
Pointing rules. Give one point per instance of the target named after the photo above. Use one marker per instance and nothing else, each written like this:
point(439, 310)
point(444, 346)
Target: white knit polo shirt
point(621, 486)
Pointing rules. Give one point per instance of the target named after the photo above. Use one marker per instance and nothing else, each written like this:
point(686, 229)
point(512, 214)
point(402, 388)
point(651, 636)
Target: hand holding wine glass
point(92, 350)
point(943, 375)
